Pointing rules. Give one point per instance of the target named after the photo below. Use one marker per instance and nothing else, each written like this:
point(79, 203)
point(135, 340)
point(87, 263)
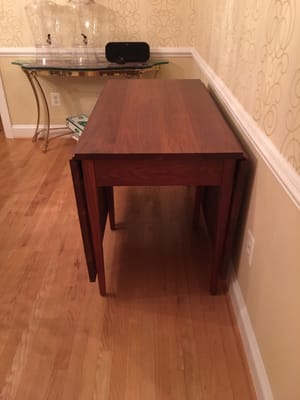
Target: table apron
point(141, 172)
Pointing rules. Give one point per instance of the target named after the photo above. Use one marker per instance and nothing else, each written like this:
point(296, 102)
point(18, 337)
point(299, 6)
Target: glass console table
point(65, 68)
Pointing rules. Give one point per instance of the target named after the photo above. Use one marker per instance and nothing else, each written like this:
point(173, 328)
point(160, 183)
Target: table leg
point(223, 211)
point(47, 129)
point(36, 96)
point(109, 191)
point(40, 94)
point(97, 210)
point(84, 221)
point(240, 182)
point(197, 206)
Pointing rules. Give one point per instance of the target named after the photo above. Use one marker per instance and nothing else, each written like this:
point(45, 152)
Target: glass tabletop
point(68, 65)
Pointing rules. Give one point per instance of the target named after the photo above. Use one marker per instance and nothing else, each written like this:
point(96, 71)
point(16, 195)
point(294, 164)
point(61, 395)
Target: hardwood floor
point(158, 335)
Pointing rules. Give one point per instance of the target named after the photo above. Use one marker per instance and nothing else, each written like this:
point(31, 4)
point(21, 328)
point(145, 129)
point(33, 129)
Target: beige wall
point(271, 285)
point(252, 46)
point(161, 23)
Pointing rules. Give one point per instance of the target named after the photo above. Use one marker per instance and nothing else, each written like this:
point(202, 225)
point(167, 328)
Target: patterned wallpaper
point(11, 24)
point(162, 23)
point(252, 45)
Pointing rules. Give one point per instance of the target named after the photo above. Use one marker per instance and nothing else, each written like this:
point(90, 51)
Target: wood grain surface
point(154, 116)
point(158, 335)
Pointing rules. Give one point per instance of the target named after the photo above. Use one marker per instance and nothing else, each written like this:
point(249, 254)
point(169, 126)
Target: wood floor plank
point(158, 335)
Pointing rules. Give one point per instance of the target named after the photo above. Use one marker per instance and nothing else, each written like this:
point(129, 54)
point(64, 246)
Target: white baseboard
point(283, 172)
point(255, 362)
point(27, 131)
point(270, 154)
point(23, 131)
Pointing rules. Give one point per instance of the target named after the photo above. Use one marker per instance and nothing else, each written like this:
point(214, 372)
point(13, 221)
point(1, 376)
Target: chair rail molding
point(277, 163)
point(280, 167)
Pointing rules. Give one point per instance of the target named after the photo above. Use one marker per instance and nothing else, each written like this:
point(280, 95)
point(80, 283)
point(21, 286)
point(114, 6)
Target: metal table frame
point(65, 68)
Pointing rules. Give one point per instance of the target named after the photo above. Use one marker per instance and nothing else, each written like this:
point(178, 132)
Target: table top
point(68, 65)
point(150, 117)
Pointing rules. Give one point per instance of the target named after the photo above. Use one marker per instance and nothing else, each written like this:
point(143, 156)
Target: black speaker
point(123, 52)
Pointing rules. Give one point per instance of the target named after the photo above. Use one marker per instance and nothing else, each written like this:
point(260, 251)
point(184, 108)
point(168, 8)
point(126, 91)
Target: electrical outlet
point(249, 246)
point(55, 99)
